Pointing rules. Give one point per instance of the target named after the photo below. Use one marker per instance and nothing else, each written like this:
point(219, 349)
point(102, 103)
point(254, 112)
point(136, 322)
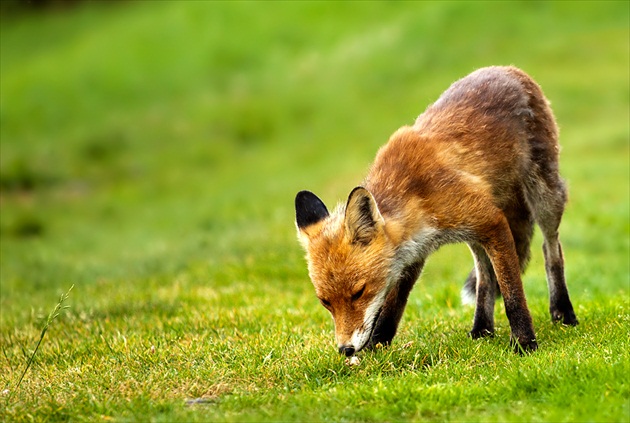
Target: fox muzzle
point(346, 350)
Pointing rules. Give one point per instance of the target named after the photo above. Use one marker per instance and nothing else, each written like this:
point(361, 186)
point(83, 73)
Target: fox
point(479, 166)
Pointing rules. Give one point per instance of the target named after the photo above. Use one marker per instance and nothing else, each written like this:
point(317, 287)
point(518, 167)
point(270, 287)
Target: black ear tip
point(303, 195)
point(304, 198)
point(309, 209)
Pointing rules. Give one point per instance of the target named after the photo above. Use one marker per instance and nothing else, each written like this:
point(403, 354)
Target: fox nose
point(348, 350)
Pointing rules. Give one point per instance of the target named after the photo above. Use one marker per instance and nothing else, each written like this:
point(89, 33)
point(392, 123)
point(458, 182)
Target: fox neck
point(414, 236)
point(414, 240)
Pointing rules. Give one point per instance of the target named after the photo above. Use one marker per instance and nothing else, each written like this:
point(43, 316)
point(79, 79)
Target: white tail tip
point(468, 298)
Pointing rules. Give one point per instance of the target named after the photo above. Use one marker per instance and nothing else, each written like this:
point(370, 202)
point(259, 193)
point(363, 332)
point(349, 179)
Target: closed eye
point(324, 302)
point(358, 294)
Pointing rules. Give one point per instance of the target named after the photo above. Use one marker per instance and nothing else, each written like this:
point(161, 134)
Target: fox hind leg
point(522, 227)
point(481, 286)
point(551, 196)
point(484, 282)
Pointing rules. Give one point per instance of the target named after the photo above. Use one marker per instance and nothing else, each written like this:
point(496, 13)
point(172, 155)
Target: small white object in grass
point(353, 361)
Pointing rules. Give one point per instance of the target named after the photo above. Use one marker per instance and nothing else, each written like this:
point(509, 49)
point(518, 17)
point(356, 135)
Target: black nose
point(348, 350)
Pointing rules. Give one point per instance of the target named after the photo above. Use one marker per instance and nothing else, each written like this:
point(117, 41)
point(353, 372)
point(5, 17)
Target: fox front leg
point(394, 306)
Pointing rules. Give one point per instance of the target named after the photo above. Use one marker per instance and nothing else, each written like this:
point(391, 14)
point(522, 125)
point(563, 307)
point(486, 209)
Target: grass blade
point(51, 317)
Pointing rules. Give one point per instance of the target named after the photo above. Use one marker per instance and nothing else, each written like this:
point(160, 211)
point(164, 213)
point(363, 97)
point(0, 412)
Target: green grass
point(150, 154)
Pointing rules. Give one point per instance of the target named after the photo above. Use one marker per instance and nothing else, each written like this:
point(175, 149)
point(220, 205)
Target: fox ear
point(309, 209)
point(363, 220)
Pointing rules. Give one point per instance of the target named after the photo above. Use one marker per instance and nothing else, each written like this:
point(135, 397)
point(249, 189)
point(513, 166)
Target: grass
point(51, 317)
point(150, 152)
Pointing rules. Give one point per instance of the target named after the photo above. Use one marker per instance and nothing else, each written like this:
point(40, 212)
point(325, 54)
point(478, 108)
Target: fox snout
point(346, 350)
point(361, 336)
point(359, 339)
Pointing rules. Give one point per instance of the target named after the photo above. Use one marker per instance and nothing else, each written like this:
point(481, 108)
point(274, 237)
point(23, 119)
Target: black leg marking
point(392, 311)
point(560, 306)
point(483, 324)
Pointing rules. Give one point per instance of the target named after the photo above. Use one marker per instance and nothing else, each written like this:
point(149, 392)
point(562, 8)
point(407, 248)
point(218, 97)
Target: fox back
point(479, 166)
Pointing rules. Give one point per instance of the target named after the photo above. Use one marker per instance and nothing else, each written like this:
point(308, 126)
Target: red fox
point(479, 166)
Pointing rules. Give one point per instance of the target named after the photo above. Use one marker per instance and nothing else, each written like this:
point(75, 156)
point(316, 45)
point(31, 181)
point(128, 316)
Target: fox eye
point(358, 294)
point(324, 302)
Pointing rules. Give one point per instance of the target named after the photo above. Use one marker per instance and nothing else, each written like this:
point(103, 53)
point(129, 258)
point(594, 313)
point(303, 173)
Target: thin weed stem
point(51, 317)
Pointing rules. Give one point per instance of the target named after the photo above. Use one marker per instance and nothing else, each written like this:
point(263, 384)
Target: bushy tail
point(469, 291)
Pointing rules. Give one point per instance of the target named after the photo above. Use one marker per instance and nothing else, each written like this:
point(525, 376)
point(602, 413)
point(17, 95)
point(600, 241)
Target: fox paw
point(567, 318)
point(481, 333)
point(523, 347)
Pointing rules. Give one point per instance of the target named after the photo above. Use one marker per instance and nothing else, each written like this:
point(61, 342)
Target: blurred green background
point(140, 139)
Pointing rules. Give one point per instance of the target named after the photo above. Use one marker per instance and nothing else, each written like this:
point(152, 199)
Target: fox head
point(349, 254)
